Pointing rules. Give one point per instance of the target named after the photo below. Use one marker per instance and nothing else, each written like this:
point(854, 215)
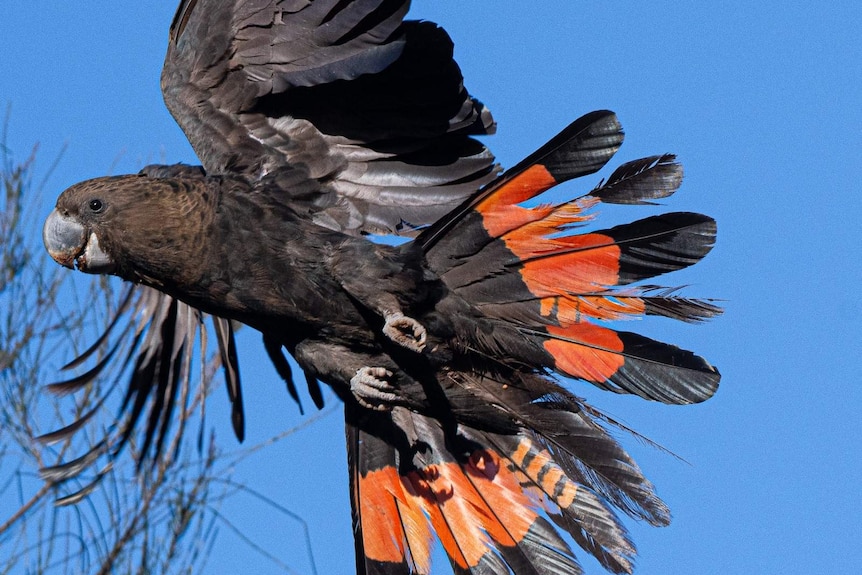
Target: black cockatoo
point(318, 122)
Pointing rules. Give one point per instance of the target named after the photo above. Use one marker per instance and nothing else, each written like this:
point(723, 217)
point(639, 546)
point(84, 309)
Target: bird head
point(73, 232)
point(139, 227)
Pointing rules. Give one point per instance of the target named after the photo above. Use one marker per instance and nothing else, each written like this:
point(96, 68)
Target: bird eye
point(96, 206)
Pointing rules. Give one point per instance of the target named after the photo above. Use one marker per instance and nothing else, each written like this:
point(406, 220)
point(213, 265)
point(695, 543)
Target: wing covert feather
point(348, 92)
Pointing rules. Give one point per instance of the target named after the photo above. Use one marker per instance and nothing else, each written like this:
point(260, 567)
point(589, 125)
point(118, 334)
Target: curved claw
point(405, 331)
point(371, 390)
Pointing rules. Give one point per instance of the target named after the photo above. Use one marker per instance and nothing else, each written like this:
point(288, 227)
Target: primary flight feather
point(317, 122)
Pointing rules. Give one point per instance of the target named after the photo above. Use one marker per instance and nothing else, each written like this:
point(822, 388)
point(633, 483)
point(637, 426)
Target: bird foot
point(405, 331)
point(371, 390)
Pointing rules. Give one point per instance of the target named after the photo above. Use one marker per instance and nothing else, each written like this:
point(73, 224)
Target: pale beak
point(67, 242)
point(64, 238)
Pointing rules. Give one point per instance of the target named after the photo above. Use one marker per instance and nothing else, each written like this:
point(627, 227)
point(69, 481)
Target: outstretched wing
point(370, 105)
point(371, 108)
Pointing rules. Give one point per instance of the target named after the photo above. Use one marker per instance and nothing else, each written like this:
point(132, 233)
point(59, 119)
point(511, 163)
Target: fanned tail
point(525, 450)
point(525, 267)
point(487, 497)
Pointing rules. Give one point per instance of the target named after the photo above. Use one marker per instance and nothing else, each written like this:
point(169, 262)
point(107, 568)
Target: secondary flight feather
point(317, 122)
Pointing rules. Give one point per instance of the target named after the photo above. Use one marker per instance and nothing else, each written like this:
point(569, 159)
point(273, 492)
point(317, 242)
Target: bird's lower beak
point(67, 242)
point(64, 238)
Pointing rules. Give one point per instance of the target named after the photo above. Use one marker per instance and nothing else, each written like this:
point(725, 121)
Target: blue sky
point(761, 101)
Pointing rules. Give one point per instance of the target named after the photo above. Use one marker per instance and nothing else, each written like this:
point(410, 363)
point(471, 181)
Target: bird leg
point(405, 331)
point(371, 391)
point(369, 378)
point(368, 275)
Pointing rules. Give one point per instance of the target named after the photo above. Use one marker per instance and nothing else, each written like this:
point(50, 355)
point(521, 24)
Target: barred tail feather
point(392, 536)
point(488, 497)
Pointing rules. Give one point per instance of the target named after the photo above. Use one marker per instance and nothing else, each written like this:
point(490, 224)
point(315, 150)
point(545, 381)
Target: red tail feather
point(482, 505)
point(585, 351)
point(524, 267)
point(545, 293)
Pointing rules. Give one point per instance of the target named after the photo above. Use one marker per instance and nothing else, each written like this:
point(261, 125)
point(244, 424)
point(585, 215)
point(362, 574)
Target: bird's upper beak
point(64, 238)
point(68, 243)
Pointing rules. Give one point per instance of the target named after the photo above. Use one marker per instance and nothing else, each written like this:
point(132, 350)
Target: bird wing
point(366, 111)
point(370, 105)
